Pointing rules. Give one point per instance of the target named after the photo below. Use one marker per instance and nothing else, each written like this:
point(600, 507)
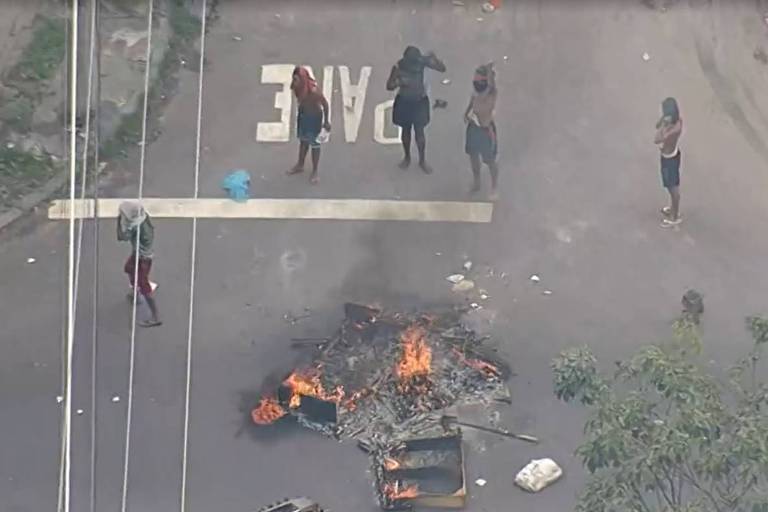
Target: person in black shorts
point(412, 109)
point(481, 139)
point(668, 132)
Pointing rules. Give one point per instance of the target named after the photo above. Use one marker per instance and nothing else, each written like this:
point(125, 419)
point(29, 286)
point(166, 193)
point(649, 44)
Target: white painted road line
point(326, 209)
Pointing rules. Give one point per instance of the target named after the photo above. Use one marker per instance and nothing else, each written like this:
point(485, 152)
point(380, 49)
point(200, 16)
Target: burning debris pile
point(386, 376)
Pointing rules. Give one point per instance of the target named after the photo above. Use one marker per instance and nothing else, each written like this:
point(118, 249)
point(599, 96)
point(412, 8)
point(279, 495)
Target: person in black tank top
point(411, 108)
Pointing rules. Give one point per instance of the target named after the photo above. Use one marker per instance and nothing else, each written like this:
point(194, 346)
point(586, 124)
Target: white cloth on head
point(132, 214)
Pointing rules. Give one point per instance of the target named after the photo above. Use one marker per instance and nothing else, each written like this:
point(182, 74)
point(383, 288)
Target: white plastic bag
point(538, 474)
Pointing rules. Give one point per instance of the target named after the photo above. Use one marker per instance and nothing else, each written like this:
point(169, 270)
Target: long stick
point(523, 437)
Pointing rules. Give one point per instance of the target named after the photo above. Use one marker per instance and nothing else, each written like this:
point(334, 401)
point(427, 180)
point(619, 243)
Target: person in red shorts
point(134, 225)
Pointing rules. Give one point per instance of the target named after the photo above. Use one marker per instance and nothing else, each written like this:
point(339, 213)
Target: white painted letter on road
point(328, 90)
point(277, 131)
point(353, 97)
point(380, 122)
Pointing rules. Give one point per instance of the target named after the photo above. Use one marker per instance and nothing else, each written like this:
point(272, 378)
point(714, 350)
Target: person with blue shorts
point(312, 118)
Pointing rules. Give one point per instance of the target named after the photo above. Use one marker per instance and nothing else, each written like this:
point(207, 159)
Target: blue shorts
point(308, 128)
point(670, 171)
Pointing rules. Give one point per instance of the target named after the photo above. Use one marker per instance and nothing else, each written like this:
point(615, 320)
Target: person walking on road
point(668, 131)
point(481, 139)
point(134, 225)
point(312, 117)
point(411, 107)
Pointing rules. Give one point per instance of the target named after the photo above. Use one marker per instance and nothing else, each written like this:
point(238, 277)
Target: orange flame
point(478, 364)
point(390, 464)
point(308, 384)
point(394, 492)
point(416, 360)
point(350, 404)
point(268, 411)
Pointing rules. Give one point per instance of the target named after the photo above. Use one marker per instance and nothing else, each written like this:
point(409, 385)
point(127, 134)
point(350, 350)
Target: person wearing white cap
point(134, 225)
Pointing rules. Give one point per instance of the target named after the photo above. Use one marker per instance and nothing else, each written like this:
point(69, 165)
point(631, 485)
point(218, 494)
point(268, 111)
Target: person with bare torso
point(668, 131)
point(481, 136)
point(312, 118)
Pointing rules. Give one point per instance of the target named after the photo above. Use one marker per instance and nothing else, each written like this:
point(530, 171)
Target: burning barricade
point(381, 371)
point(384, 379)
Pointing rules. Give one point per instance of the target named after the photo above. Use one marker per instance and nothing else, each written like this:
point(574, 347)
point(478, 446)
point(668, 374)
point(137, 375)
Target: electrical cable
point(132, 357)
point(193, 261)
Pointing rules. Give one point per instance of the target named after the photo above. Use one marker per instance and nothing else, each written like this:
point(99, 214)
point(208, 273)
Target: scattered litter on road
point(463, 286)
point(458, 3)
point(277, 16)
point(289, 318)
point(538, 474)
point(481, 482)
point(446, 81)
point(484, 296)
point(479, 19)
point(115, 398)
point(438, 254)
point(455, 278)
point(547, 292)
point(475, 305)
point(237, 38)
point(237, 184)
point(440, 104)
point(59, 399)
point(31, 260)
point(646, 57)
point(80, 412)
point(503, 275)
point(467, 266)
point(535, 278)
point(506, 57)
point(488, 7)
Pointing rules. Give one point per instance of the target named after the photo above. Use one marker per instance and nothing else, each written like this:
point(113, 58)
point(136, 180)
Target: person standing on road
point(312, 117)
point(481, 139)
point(134, 225)
point(668, 131)
point(411, 108)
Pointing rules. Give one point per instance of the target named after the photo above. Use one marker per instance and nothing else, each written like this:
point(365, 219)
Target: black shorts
point(407, 112)
point(481, 141)
point(670, 171)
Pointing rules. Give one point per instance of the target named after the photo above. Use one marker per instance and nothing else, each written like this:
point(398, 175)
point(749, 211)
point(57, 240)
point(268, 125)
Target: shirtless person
point(481, 139)
point(668, 131)
point(312, 117)
point(411, 108)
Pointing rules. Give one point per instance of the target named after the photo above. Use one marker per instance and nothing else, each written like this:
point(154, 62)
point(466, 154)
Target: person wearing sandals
point(668, 131)
point(411, 109)
point(134, 225)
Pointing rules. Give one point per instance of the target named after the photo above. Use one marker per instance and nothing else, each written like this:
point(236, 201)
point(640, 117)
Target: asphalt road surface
point(580, 194)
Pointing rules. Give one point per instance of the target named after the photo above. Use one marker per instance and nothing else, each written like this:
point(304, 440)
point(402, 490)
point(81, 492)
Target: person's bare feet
point(314, 179)
point(405, 163)
point(425, 167)
point(296, 169)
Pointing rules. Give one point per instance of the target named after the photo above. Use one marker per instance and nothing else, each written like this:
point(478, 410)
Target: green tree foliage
point(665, 435)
